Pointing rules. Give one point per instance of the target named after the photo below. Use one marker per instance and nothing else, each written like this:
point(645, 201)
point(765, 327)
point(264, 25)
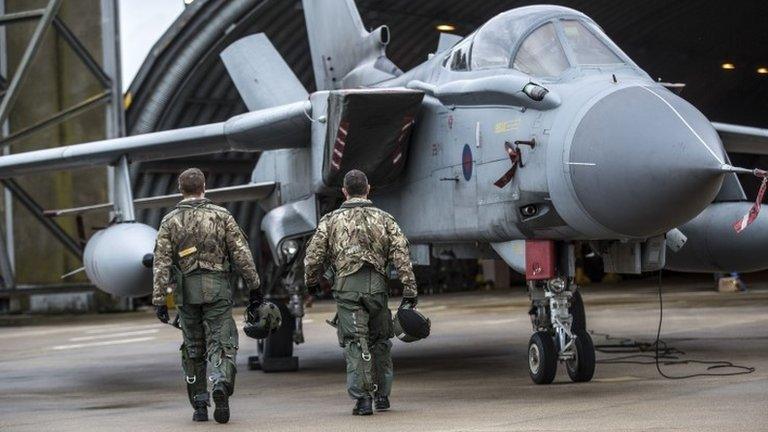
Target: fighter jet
point(530, 136)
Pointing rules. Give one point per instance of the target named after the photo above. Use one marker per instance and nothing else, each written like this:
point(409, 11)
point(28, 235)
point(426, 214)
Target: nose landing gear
point(560, 335)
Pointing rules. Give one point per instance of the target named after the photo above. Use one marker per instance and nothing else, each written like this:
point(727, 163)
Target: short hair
point(191, 182)
point(356, 183)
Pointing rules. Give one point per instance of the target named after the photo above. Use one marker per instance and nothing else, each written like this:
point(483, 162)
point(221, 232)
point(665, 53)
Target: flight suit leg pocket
point(346, 305)
point(378, 283)
point(215, 287)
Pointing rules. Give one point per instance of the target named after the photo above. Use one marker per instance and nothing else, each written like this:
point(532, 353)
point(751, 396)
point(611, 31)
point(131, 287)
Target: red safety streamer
point(515, 158)
point(742, 224)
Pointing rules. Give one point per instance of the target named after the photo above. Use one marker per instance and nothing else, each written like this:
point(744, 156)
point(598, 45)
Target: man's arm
point(240, 254)
point(316, 254)
point(400, 258)
point(161, 266)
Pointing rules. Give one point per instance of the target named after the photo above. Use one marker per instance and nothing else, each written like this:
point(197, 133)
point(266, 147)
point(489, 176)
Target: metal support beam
point(82, 53)
point(6, 271)
point(110, 47)
point(110, 51)
point(37, 211)
point(123, 192)
point(7, 248)
point(21, 16)
point(26, 60)
point(57, 118)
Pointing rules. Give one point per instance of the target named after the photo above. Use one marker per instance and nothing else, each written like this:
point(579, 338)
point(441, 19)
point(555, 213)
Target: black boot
point(363, 407)
point(381, 402)
point(221, 399)
point(201, 412)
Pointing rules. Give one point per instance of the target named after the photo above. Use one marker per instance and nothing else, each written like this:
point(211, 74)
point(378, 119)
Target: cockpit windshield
point(496, 39)
point(554, 46)
point(540, 54)
point(586, 47)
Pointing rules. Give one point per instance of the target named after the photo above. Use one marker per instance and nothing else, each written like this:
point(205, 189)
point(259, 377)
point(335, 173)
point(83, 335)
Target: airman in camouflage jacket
point(200, 235)
point(355, 234)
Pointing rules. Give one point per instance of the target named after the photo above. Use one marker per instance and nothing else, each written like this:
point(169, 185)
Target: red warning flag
point(741, 224)
point(515, 158)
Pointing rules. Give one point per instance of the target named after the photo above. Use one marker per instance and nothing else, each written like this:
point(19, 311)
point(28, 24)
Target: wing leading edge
point(743, 139)
point(285, 126)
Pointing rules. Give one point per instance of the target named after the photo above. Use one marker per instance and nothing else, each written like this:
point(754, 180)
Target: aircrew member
point(199, 248)
point(360, 241)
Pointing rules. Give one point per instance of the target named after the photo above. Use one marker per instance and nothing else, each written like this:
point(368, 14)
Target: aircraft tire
point(577, 311)
point(542, 358)
point(582, 368)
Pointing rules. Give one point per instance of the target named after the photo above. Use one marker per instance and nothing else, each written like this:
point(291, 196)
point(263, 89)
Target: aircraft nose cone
point(643, 161)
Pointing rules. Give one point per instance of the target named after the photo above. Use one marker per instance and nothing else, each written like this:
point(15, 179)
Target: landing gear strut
point(276, 351)
point(560, 330)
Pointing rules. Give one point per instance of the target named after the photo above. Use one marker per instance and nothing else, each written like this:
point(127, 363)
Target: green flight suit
point(364, 329)
point(199, 249)
point(210, 333)
point(360, 241)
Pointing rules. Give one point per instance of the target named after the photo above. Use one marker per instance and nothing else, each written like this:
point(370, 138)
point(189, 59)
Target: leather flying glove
point(162, 314)
point(409, 302)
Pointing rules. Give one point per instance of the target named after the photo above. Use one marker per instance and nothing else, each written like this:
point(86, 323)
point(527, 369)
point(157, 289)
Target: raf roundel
point(466, 162)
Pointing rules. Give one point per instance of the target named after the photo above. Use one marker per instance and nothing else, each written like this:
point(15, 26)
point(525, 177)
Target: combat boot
point(221, 399)
point(364, 406)
point(381, 402)
point(201, 412)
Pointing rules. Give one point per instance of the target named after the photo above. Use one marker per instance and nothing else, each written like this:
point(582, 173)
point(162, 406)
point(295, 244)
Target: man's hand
point(409, 302)
point(162, 314)
point(321, 284)
point(255, 298)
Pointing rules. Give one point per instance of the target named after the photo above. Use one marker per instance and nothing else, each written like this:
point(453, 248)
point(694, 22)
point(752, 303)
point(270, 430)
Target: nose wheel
point(560, 334)
point(542, 358)
point(581, 367)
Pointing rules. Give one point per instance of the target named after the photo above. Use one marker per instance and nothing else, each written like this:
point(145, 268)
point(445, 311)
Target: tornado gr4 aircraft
point(531, 135)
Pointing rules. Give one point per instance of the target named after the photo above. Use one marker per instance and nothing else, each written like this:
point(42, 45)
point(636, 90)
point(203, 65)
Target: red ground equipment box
point(540, 259)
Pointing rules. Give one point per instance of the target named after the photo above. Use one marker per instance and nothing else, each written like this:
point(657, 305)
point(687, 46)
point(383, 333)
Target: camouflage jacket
point(356, 234)
point(200, 235)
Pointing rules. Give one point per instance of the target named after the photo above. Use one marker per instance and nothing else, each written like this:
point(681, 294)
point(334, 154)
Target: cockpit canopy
point(542, 41)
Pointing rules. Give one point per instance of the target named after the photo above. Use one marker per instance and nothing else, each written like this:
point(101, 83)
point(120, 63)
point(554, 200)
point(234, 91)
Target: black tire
point(280, 343)
point(582, 367)
point(542, 358)
point(577, 311)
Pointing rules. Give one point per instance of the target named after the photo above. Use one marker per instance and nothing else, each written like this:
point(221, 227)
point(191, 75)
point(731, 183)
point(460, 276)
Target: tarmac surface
point(121, 372)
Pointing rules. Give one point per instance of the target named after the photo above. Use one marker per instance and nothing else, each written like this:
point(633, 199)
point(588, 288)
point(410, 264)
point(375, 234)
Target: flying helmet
point(262, 321)
point(410, 325)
